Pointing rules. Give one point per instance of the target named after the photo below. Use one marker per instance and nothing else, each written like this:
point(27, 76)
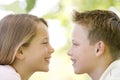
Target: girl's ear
point(19, 54)
point(100, 48)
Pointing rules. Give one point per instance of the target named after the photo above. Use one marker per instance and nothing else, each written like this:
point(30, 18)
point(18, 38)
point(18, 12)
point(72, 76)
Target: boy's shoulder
point(112, 72)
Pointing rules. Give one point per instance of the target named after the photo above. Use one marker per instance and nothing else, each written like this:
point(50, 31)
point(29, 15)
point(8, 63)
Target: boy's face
point(81, 52)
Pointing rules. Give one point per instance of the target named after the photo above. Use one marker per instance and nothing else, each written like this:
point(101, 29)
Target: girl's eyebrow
point(45, 38)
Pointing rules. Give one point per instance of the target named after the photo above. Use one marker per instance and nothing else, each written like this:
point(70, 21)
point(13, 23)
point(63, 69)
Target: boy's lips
point(73, 60)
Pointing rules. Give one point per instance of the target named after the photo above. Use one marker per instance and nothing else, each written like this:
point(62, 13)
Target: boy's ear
point(100, 48)
point(19, 54)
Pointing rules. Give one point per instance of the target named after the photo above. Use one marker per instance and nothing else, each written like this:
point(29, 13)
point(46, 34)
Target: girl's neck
point(24, 72)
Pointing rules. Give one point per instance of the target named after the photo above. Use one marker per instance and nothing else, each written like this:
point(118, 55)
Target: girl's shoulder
point(8, 73)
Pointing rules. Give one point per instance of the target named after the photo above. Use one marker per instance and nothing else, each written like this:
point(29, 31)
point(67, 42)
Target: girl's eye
point(45, 43)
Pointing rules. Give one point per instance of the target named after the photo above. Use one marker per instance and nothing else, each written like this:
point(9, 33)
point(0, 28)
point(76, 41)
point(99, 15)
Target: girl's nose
point(51, 50)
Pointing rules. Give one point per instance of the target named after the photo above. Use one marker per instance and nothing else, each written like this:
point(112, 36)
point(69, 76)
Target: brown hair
point(16, 30)
point(102, 25)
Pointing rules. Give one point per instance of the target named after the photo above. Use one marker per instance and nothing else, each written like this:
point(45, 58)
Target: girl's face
point(38, 53)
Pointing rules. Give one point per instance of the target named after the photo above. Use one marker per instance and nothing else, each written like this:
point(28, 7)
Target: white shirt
point(112, 72)
point(8, 73)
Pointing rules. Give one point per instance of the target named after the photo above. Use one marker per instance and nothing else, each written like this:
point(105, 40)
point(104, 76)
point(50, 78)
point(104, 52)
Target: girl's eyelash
point(45, 42)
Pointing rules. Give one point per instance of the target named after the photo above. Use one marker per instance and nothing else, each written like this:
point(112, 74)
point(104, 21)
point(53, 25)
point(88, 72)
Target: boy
point(96, 44)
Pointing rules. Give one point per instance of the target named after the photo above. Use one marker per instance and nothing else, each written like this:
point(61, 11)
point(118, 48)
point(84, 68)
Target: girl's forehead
point(41, 27)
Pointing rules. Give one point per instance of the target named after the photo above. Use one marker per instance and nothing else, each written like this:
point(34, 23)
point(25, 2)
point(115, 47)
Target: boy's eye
point(75, 44)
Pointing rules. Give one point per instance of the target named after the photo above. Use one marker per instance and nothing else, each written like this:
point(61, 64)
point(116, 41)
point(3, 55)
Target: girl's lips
point(47, 59)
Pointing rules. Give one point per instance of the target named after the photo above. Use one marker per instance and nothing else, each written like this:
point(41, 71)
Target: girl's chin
point(45, 70)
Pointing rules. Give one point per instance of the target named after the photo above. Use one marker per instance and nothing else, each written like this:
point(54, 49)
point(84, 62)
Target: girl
point(24, 46)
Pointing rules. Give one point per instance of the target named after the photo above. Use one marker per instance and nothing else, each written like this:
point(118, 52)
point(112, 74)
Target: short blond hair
point(102, 25)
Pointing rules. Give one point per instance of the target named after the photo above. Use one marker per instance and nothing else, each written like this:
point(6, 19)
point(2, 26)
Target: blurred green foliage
point(62, 12)
point(30, 5)
point(15, 7)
